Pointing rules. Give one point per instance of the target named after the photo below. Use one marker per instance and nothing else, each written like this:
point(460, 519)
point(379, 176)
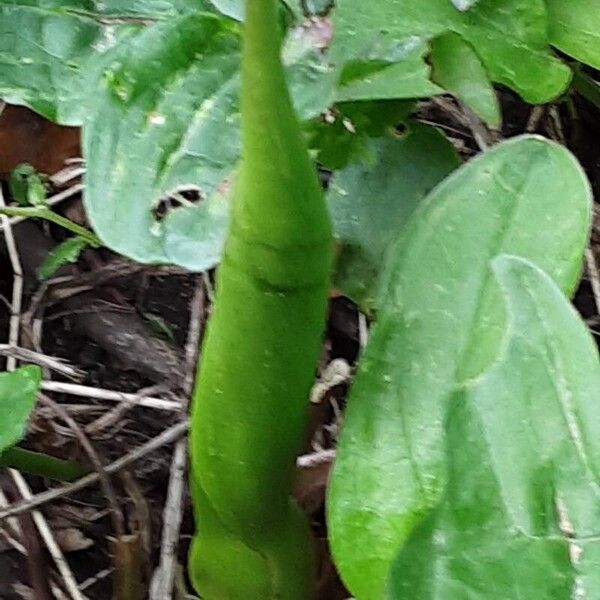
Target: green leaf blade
point(67, 252)
point(522, 450)
point(458, 69)
point(510, 37)
point(18, 393)
point(159, 129)
point(370, 203)
point(166, 118)
point(575, 29)
point(431, 337)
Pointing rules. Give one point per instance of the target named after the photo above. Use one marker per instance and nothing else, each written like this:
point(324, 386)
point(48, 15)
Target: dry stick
point(11, 363)
point(17, 294)
point(117, 519)
point(90, 581)
point(15, 529)
point(164, 576)
point(56, 364)
point(321, 457)
point(100, 394)
point(480, 132)
point(166, 437)
point(594, 275)
point(46, 534)
point(66, 174)
point(534, 118)
point(37, 564)
point(13, 523)
point(113, 416)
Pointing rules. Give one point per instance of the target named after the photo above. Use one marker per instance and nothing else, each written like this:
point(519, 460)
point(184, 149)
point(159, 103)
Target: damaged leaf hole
point(183, 196)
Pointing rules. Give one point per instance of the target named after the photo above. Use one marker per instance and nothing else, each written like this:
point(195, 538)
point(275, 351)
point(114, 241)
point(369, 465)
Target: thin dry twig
point(45, 532)
point(85, 391)
point(37, 564)
point(13, 340)
point(537, 112)
point(481, 133)
point(118, 522)
point(56, 364)
point(594, 275)
point(99, 576)
point(115, 414)
point(12, 525)
point(15, 530)
point(68, 173)
point(166, 437)
point(306, 461)
point(164, 576)
point(17, 293)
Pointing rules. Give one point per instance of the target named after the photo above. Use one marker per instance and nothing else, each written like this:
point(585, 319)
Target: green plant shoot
point(261, 347)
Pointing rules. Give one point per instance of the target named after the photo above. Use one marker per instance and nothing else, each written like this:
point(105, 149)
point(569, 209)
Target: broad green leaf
point(67, 252)
point(458, 69)
point(50, 55)
point(575, 29)
point(346, 139)
point(369, 203)
point(53, 52)
point(522, 446)
point(440, 323)
point(397, 71)
point(18, 393)
point(586, 85)
point(166, 118)
point(510, 37)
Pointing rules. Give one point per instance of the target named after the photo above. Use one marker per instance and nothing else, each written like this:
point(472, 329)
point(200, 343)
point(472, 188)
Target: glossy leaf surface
point(575, 29)
point(166, 120)
point(440, 324)
point(520, 515)
point(510, 37)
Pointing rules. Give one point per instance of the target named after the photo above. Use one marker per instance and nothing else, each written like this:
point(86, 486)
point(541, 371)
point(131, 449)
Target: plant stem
point(588, 87)
point(42, 212)
point(36, 463)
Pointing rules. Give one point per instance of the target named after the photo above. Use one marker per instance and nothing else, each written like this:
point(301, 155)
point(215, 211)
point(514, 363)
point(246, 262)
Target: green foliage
point(522, 453)
point(160, 83)
point(26, 186)
point(370, 203)
point(470, 433)
point(18, 393)
point(458, 69)
point(510, 37)
point(250, 402)
point(157, 129)
point(575, 29)
point(35, 463)
point(166, 120)
point(66, 252)
point(440, 324)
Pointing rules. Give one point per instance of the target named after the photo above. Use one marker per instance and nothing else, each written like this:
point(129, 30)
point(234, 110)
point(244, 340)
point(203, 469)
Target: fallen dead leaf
point(27, 137)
